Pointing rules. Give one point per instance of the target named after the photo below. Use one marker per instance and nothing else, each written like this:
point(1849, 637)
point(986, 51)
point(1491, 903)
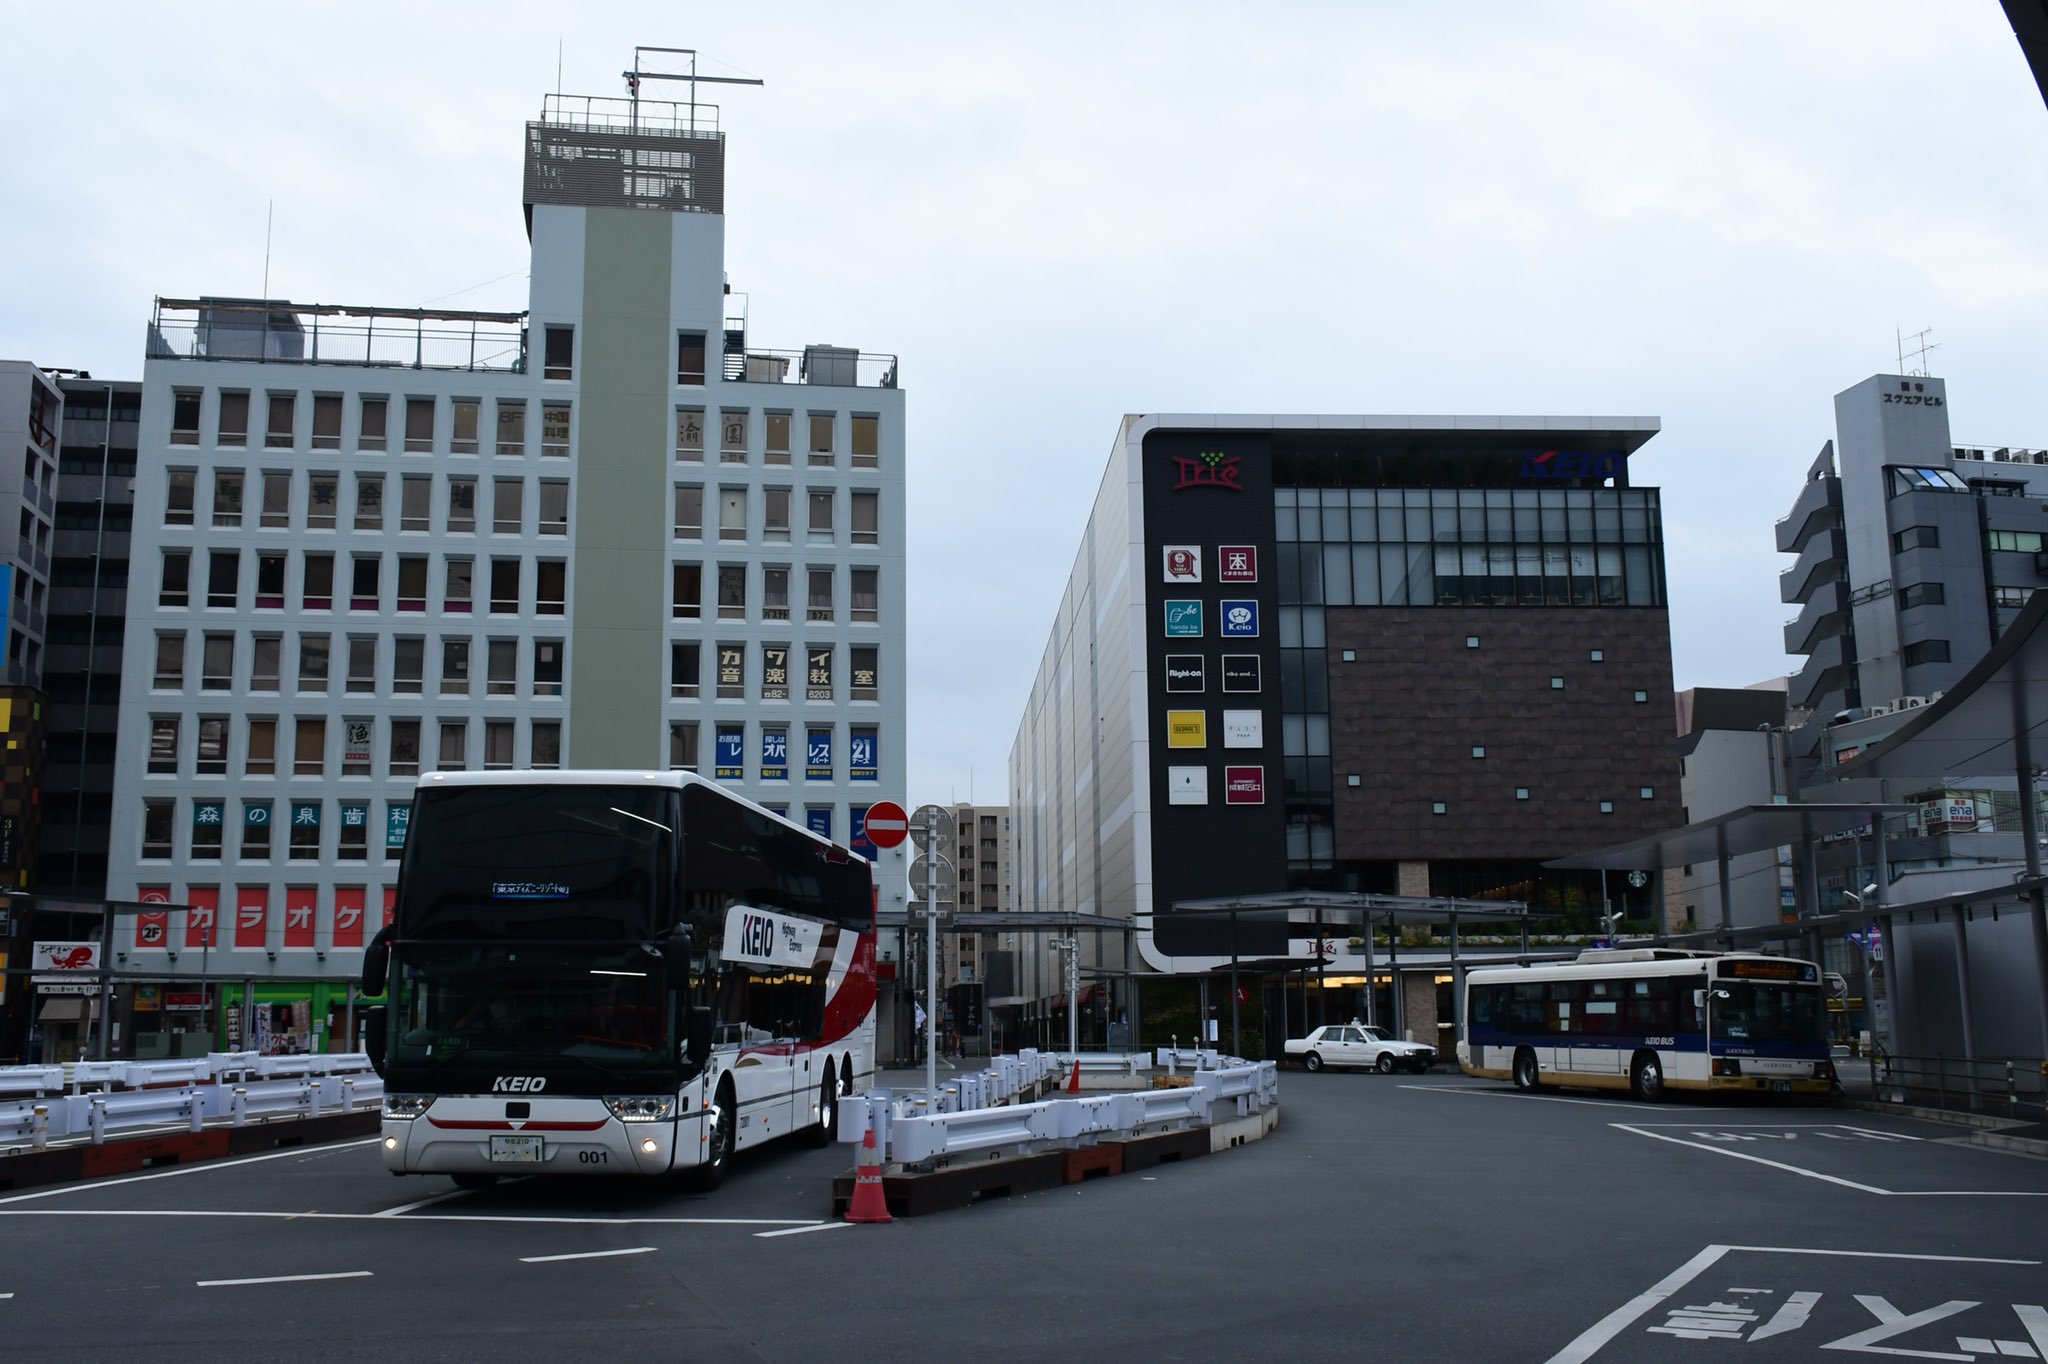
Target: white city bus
point(1651, 1019)
point(615, 973)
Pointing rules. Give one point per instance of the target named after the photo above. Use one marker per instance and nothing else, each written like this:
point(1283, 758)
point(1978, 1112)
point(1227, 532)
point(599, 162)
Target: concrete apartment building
point(607, 532)
point(1399, 655)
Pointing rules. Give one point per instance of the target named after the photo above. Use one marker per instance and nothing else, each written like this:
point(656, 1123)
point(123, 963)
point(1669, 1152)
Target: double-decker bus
point(614, 973)
point(1651, 1019)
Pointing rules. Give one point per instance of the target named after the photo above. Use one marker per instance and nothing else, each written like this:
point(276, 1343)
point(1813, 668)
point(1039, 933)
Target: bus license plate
point(1777, 1087)
point(516, 1150)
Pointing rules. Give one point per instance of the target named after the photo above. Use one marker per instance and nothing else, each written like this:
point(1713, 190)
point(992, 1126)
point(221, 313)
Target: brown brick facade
point(1407, 713)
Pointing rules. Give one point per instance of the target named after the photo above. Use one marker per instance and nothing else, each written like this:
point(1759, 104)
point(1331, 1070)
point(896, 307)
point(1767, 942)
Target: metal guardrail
point(113, 1098)
point(2005, 1086)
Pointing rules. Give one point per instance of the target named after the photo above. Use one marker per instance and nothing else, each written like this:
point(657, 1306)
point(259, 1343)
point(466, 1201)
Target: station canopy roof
point(1745, 829)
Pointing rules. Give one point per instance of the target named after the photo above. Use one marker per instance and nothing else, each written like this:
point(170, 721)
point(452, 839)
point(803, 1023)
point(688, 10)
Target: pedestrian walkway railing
point(42, 1105)
point(994, 1112)
point(2003, 1086)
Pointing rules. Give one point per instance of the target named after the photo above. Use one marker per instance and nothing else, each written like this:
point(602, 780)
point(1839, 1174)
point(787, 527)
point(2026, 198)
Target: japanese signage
point(396, 817)
point(1187, 786)
point(70, 965)
point(1186, 729)
point(348, 916)
point(1950, 815)
point(201, 928)
point(356, 737)
point(252, 915)
point(818, 819)
point(298, 915)
point(731, 752)
point(554, 425)
point(818, 675)
point(1244, 729)
point(255, 813)
point(1183, 563)
point(731, 665)
point(1184, 672)
point(1237, 564)
point(859, 839)
point(1183, 619)
point(863, 758)
point(1244, 786)
point(818, 755)
point(774, 754)
point(153, 927)
point(863, 670)
point(355, 816)
point(1240, 619)
point(305, 814)
point(1241, 672)
point(207, 814)
point(774, 672)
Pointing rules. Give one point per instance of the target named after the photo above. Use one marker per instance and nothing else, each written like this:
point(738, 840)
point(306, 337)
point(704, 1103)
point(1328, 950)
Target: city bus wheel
point(1311, 1062)
point(1646, 1081)
point(1526, 1078)
point(1385, 1065)
point(827, 1125)
point(474, 1181)
point(723, 1116)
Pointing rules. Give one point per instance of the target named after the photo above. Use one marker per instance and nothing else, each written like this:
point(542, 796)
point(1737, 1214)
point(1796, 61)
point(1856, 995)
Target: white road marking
point(1608, 1327)
point(200, 1168)
point(1517, 1094)
point(423, 1217)
point(285, 1278)
point(5, 1296)
point(799, 1231)
point(1833, 1179)
point(423, 1203)
point(584, 1255)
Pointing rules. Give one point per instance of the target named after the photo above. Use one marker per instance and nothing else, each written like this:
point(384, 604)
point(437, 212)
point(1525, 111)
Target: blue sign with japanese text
point(818, 756)
point(731, 758)
point(859, 840)
point(396, 818)
point(774, 755)
point(818, 819)
point(862, 761)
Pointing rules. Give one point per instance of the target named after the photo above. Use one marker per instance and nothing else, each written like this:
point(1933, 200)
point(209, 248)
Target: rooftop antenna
point(558, 64)
point(636, 75)
point(1919, 352)
point(269, 207)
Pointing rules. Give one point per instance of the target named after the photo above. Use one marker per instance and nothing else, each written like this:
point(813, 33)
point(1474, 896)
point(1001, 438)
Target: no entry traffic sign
point(887, 825)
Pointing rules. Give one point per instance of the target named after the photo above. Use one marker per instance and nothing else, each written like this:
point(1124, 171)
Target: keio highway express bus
point(614, 973)
point(1644, 1019)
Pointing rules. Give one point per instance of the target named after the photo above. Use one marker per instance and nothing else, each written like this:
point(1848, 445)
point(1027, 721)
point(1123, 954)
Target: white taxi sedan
point(1359, 1044)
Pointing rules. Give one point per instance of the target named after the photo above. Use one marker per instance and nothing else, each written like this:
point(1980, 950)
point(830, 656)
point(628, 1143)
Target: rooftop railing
point(279, 332)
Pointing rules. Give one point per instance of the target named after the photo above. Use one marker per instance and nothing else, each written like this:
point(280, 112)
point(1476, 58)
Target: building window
point(405, 748)
point(867, 439)
point(354, 844)
point(820, 607)
point(866, 518)
point(255, 830)
point(732, 513)
point(462, 423)
point(732, 437)
point(462, 506)
point(1928, 594)
point(775, 593)
point(689, 511)
point(170, 661)
point(158, 817)
point(1646, 792)
point(369, 502)
point(775, 442)
point(262, 755)
point(865, 594)
point(163, 744)
point(454, 746)
point(217, 662)
point(185, 417)
point(1606, 807)
point(372, 435)
point(1922, 537)
point(175, 584)
point(317, 592)
point(547, 744)
point(408, 664)
point(732, 591)
point(1926, 651)
point(303, 842)
point(327, 421)
point(774, 672)
point(323, 497)
point(684, 661)
point(821, 440)
point(223, 577)
point(548, 655)
point(309, 746)
point(1479, 750)
point(1439, 808)
point(511, 426)
point(419, 425)
point(690, 435)
point(690, 358)
point(505, 587)
point(866, 675)
point(551, 587)
point(559, 357)
point(508, 510)
point(554, 506)
point(313, 664)
point(415, 502)
point(821, 514)
point(365, 590)
point(498, 736)
point(455, 667)
point(1352, 779)
point(775, 515)
point(213, 746)
point(277, 501)
point(362, 665)
point(206, 830)
point(732, 672)
point(1642, 697)
point(278, 434)
point(460, 583)
point(682, 747)
point(178, 498)
point(270, 566)
point(554, 430)
point(686, 592)
point(501, 667)
point(231, 427)
point(1521, 793)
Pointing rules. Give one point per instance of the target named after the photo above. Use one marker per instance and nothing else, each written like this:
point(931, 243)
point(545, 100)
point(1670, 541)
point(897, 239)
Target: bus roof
point(673, 780)
point(1626, 962)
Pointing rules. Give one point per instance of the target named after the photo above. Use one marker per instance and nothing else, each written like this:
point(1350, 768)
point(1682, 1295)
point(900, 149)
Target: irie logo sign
point(1209, 469)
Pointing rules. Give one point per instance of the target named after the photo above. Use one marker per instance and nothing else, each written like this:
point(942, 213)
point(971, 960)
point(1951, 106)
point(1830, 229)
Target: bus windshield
point(1767, 1013)
point(532, 1007)
point(542, 862)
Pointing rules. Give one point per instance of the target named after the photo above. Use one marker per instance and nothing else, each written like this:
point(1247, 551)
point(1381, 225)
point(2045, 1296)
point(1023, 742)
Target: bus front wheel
point(1646, 1080)
point(1526, 1078)
point(723, 1116)
point(827, 1126)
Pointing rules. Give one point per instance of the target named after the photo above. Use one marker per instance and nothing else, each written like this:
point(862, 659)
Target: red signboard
point(298, 915)
point(201, 926)
point(153, 930)
point(887, 825)
point(348, 916)
point(1237, 564)
point(252, 915)
point(1244, 786)
point(390, 904)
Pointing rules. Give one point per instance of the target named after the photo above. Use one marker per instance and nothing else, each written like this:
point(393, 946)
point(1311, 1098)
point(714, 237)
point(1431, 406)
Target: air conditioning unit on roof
point(1909, 703)
point(1878, 710)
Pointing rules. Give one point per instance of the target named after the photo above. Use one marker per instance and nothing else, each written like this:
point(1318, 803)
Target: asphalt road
point(1389, 1218)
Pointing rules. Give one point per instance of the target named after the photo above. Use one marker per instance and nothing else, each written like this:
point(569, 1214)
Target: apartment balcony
point(274, 331)
point(1825, 612)
point(1823, 559)
point(1818, 506)
point(1829, 668)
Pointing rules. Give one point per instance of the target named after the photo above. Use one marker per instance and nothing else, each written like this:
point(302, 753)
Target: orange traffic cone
point(1074, 1080)
point(868, 1204)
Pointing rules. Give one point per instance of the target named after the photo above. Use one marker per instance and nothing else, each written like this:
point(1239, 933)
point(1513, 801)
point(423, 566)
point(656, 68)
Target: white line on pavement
point(1833, 1179)
point(284, 1278)
point(200, 1168)
point(423, 1203)
point(1517, 1094)
point(584, 1255)
point(799, 1231)
point(422, 1217)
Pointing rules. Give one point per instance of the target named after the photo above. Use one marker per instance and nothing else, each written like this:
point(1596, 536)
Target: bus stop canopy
point(1745, 829)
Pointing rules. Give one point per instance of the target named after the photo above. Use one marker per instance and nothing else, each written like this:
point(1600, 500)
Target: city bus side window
point(1562, 1013)
point(1528, 1010)
point(1482, 1006)
point(1695, 1011)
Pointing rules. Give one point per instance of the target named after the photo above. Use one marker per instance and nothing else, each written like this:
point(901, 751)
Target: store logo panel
point(1185, 672)
point(1209, 469)
point(1183, 619)
point(1240, 618)
point(1237, 564)
point(1183, 563)
point(1244, 729)
point(1244, 786)
point(1187, 729)
point(1241, 672)
point(1187, 786)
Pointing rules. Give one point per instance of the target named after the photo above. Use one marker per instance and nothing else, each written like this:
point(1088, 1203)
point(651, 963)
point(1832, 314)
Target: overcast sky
point(1718, 214)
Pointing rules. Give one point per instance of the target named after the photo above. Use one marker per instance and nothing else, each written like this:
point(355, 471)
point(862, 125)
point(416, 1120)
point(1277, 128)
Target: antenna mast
point(1918, 353)
point(636, 75)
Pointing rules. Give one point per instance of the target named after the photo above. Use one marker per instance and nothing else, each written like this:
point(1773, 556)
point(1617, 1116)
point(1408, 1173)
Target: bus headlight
point(642, 1108)
point(406, 1105)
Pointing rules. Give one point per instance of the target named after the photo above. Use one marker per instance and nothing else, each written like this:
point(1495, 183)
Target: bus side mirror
point(697, 1047)
point(377, 963)
point(374, 1037)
